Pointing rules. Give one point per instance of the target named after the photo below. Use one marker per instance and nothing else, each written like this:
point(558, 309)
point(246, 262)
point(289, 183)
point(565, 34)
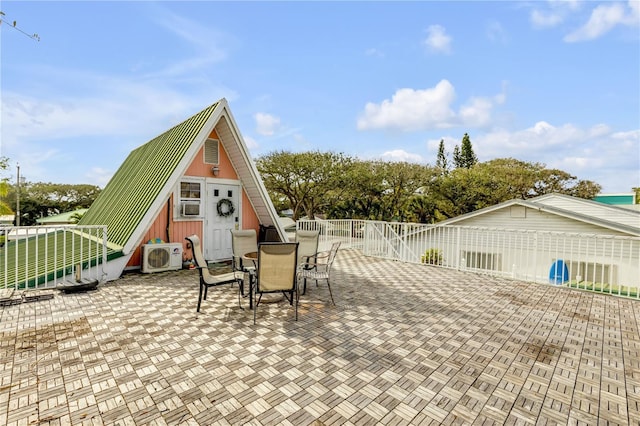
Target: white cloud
point(414, 110)
point(611, 159)
point(99, 176)
point(109, 106)
point(411, 109)
point(266, 124)
point(120, 113)
point(603, 18)
point(476, 112)
point(541, 19)
point(496, 32)
point(401, 155)
point(437, 41)
point(251, 143)
point(206, 43)
point(556, 13)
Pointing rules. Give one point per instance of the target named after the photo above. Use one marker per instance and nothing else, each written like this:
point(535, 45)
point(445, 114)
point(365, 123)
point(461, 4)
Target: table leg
point(251, 287)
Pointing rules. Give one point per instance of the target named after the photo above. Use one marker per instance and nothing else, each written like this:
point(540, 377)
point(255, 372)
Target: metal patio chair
point(206, 278)
point(243, 241)
point(276, 272)
point(320, 268)
point(307, 245)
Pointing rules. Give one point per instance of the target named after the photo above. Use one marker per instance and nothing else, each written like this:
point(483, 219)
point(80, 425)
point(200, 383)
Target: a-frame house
point(195, 178)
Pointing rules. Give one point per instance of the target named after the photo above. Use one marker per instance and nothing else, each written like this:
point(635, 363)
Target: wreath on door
point(225, 207)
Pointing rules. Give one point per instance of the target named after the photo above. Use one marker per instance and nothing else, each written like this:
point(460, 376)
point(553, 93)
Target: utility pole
point(19, 182)
point(18, 197)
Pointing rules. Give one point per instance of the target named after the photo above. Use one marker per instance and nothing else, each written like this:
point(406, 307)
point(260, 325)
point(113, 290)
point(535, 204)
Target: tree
point(402, 180)
point(467, 157)
point(4, 188)
point(76, 217)
point(39, 199)
point(485, 184)
point(441, 162)
point(421, 209)
point(457, 159)
point(362, 198)
point(310, 181)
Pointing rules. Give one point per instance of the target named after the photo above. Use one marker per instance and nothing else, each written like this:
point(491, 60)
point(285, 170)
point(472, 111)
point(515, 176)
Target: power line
point(14, 25)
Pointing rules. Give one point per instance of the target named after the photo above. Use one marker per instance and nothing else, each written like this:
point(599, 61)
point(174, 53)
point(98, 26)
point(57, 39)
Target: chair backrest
point(243, 241)
point(307, 243)
point(277, 263)
point(198, 258)
point(332, 254)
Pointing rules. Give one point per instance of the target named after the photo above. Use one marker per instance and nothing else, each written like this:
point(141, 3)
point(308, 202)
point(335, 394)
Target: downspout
point(169, 220)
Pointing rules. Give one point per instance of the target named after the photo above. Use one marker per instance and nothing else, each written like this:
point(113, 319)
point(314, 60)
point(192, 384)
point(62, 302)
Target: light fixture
point(215, 170)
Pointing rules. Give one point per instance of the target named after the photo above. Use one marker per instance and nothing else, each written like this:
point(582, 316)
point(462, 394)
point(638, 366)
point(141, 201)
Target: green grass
point(621, 290)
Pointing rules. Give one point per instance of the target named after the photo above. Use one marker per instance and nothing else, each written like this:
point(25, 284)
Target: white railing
point(604, 263)
point(349, 232)
point(35, 257)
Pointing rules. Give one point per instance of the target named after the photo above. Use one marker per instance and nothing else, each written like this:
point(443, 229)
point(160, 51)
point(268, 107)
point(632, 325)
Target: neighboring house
point(554, 212)
point(61, 219)
point(195, 178)
point(626, 200)
point(613, 259)
point(7, 219)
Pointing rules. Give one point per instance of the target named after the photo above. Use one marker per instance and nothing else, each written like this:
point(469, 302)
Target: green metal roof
point(139, 181)
point(60, 218)
point(615, 199)
point(32, 261)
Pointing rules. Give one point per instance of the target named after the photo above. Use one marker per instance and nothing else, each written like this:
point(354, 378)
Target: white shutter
point(211, 154)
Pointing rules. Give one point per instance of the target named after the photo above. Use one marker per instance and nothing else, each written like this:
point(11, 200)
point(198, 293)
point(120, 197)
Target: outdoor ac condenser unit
point(161, 257)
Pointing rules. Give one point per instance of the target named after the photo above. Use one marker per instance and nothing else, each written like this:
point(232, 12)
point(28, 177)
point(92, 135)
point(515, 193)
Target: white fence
point(43, 256)
point(349, 232)
point(603, 263)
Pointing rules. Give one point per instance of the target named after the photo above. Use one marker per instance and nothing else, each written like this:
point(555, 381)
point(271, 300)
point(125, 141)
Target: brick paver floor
point(405, 344)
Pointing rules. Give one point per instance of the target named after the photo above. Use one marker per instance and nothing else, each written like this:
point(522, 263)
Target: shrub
point(432, 257)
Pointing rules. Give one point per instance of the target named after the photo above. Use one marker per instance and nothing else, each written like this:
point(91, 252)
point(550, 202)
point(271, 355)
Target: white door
point(223, 213)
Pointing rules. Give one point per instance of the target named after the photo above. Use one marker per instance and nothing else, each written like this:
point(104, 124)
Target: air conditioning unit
point(161, 257)
point(190, 209)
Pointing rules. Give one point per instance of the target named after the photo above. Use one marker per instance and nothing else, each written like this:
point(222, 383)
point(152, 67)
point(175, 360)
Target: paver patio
point(405, 344)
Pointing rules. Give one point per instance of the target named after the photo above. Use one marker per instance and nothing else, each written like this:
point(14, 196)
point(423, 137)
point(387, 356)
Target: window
point(478, 260)
point(190, 190)
point(190, 199)
point(592, 272)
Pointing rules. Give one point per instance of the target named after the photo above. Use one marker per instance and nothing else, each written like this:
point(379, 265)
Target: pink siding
point(249, 216)
point(178, 230)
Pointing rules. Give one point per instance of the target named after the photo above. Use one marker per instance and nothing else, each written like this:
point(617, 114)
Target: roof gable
point(601, 220)
point(594, 209)
point(143, 183)
point(139, 181)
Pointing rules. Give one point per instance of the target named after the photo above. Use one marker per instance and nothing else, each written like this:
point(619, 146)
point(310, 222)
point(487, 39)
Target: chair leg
point(241, 285)
point(199, 298)
point(330, 293)
point(304, 288)
point(255, 307)
point(239, 294)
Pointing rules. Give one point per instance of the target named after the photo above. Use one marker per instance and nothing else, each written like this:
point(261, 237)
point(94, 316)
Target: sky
point(83, 83)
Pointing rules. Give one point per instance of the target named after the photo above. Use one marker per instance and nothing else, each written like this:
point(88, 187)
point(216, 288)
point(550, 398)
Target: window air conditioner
point(190, 209)
point(161, 257)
